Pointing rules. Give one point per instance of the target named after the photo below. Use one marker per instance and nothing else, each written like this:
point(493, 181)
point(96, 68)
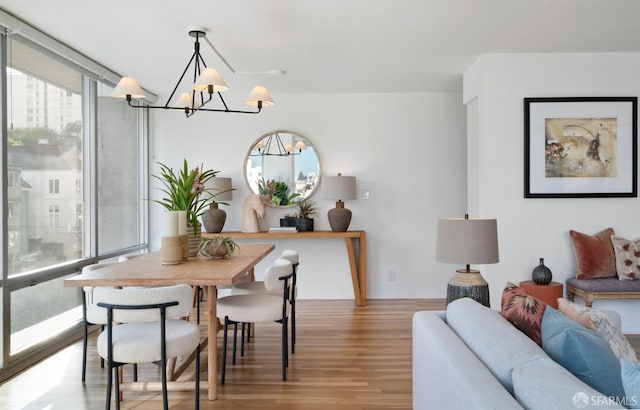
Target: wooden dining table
point(147, 270)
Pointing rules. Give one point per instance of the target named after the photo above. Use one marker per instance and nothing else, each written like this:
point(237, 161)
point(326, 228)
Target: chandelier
point(206, 83)
point(273, 146)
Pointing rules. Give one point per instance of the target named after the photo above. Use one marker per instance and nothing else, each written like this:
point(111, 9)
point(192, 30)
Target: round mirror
point(282, 166)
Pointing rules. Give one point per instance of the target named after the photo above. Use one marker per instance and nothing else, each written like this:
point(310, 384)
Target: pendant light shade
point(127, 86)
point(210, 78)
point(258, 95)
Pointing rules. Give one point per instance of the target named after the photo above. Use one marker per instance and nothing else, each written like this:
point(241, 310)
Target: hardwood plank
point(347, 357)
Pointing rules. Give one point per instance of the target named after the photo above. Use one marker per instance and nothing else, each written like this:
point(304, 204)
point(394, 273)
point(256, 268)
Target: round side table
point(547, 293)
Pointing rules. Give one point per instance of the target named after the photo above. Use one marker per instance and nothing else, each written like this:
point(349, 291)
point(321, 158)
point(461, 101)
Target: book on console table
point(289, 229)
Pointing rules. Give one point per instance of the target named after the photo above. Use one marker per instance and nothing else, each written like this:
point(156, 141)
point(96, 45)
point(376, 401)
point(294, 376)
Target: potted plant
point(276, 192)
point(303, 218)
point(183, 190)
point(218, 247)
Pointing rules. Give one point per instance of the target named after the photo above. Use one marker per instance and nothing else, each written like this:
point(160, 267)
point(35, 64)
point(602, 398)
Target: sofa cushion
point(545, 385)
point(523, 311)
point(494, 340)
point(631, 383)
point(594, 254)
point(627, 257)
point(582, 352)
point(602, 324)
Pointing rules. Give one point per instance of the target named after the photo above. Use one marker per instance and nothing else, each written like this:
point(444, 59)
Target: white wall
point(407, 150)
point(494, 88)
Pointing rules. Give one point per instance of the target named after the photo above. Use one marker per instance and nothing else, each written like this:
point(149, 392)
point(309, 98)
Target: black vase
point(541, 275)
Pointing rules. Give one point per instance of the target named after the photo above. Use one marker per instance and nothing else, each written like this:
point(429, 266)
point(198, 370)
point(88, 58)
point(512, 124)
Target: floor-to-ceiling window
point(74, 161)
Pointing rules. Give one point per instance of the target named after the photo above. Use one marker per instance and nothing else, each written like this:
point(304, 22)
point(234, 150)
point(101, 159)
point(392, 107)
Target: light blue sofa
point(470, 357)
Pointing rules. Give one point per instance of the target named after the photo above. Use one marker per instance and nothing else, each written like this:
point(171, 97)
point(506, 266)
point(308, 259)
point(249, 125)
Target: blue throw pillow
point(631, 383)
point(582, 352)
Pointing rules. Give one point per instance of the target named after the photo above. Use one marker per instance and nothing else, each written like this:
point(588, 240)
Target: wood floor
point(346, 357)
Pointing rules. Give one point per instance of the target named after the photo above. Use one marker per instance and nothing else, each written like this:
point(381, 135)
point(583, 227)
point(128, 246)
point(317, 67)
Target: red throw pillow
point(523, 311)
point(594, 254)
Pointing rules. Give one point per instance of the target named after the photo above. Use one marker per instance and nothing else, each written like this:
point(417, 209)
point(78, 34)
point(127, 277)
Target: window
point(54, 186)
point(56, 221)
point(54, 216)
point(14, 209)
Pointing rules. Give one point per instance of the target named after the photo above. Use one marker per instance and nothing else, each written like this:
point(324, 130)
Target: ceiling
point(331, 46)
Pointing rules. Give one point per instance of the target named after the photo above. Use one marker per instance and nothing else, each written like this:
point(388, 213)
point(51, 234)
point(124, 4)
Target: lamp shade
point(467, 241)
point(184, 101)
point(210, 77)
point(221, 188)
point(259, 93)
point(127, 86)
point(339, 187)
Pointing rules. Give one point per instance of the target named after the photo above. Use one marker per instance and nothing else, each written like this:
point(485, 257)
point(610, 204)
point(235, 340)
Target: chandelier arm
point(223, 102)
point(180, 79)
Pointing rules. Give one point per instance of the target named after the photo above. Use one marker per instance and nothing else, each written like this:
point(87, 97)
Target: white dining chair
point(254, 287)
point(90, 315)
point(149, 331)
point(259, 307)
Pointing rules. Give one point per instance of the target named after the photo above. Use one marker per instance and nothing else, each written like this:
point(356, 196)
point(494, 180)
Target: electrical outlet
point(392, 276)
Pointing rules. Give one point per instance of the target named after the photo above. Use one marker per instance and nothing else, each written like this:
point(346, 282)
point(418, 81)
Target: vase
point(541, 274)
point(194, 239)
point(213, 219)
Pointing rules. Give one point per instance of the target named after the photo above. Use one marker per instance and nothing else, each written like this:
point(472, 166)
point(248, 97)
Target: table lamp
point(214, 218)
point(467, 241)
point(341, 188)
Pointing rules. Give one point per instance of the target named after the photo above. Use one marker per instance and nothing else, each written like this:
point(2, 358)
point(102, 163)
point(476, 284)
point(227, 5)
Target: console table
point(356, 242)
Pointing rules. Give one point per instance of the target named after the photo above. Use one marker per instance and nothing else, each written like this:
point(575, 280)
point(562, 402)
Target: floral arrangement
point(183, 190)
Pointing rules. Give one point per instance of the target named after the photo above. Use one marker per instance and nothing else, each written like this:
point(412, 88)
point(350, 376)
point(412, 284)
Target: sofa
point(470, 357)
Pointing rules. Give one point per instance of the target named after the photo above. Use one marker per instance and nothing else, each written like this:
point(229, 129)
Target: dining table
point(148, 270)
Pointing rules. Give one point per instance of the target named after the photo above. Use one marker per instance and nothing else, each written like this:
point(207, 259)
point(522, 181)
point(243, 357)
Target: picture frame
point(580, 147)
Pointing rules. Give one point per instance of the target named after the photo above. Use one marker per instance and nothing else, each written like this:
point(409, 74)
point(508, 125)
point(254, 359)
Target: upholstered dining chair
point(90, 315)
point(259, 307)
point(253, 287)
point(149, 331)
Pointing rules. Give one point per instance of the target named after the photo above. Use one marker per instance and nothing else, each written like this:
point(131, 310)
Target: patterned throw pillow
point(627, 258)
point(594, 254)
point(602, 324)
point(523, 311)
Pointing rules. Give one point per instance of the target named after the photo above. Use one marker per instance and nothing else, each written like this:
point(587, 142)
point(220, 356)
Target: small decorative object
point(541, 274)
point(251, 211)
point(302, 219)
point(193, 238)
point(213, 219)
point(171, 250)
point(218, 247)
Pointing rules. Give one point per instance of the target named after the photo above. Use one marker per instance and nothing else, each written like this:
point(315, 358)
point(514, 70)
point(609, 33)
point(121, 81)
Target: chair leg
point(84, 349)
point(285, 350)
point(235, 337)
point(242, 340)
point(102, 359)
point(293, 325)
point(224, 350)
point(117, 389)
point(109, 383)
point(197, 398)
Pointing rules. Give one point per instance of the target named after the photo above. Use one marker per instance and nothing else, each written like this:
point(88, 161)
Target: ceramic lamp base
point(468, 284)
point(213, 219)
point(339, 218)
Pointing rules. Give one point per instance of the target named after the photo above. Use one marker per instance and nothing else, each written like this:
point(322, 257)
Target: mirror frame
point(266, 135)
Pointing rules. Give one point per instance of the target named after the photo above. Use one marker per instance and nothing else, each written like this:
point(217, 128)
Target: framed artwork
point(580, 147)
